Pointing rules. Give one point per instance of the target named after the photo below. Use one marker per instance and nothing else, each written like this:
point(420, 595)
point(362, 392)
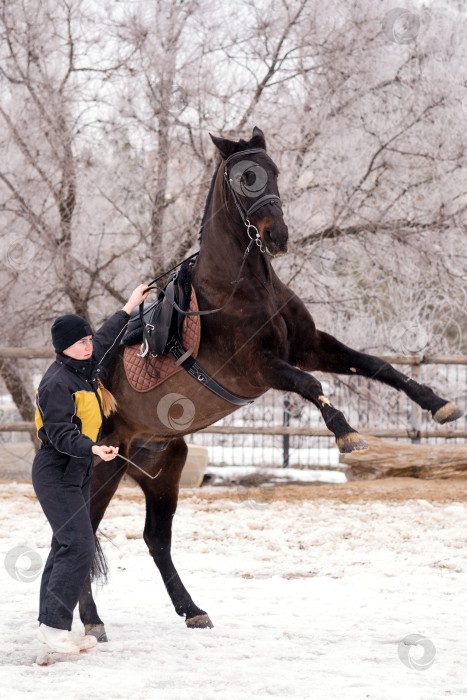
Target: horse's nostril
point(273, 234)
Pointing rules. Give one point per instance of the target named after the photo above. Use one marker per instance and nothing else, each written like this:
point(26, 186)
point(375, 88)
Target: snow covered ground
point(309, 598)
point(222, 475)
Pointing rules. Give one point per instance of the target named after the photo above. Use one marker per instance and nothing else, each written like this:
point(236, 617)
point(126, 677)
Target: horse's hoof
point(448, 413)
point(97, 631)
point(199, 622)
point(351, 442)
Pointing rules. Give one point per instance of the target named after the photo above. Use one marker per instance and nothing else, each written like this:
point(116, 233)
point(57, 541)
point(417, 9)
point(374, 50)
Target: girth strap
point(195, 370)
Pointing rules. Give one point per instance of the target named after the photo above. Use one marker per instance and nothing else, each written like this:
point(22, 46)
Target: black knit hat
point(67, 330)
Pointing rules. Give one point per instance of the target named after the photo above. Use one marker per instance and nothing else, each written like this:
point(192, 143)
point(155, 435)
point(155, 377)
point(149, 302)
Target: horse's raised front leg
point(284, 377)
point(330, 355)
point(161, 503)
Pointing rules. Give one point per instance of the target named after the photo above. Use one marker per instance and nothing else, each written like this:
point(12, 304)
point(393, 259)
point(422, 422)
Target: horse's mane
point(208, 202)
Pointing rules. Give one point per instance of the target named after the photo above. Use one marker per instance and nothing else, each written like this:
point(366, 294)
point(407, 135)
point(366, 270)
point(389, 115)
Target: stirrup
point(144, 349)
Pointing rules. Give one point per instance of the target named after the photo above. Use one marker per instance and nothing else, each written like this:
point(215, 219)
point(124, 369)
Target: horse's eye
point(249, 177)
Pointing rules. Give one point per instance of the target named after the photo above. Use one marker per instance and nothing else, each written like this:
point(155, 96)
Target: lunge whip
point(137, 466)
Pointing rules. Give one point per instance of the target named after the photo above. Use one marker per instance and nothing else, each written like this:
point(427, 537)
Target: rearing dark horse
point(261, 338)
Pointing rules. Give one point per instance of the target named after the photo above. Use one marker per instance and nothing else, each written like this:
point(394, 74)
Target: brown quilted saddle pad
point(164, 366)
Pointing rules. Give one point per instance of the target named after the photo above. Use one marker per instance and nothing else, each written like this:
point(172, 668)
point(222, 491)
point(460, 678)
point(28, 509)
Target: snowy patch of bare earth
point(311, 590)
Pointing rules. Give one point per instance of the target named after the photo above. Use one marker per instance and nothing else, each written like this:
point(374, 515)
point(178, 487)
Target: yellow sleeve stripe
point(88, 411)
point(38, 419)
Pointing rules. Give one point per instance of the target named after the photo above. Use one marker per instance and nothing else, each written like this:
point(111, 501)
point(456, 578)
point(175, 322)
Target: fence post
point(286, 438)
point(416, 411)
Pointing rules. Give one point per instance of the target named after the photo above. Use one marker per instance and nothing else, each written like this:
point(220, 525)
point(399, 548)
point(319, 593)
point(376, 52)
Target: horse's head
point(250, 189)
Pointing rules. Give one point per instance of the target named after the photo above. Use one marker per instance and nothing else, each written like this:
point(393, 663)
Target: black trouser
point(62, 485)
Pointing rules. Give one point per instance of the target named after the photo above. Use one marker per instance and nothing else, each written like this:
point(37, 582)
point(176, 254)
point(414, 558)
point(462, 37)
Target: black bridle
point(261, 202)
point(245, 216)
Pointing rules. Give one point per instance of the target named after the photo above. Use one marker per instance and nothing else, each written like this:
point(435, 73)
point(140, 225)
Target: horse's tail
point(99, 569)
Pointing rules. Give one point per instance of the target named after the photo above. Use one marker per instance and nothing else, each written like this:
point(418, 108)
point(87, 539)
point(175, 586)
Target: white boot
point(58, 640)
point(84, 643)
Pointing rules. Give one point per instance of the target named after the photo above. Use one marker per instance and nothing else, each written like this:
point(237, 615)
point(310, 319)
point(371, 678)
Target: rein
point(235, 282)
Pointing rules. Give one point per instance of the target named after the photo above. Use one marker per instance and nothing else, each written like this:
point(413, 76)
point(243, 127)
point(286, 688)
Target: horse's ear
point(224, 146)
point(257, 140)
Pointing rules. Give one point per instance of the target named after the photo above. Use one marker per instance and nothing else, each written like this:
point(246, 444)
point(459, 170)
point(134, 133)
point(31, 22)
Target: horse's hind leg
point(161, 503)
point(284, 377)
point(105, 480)
point(330, 355)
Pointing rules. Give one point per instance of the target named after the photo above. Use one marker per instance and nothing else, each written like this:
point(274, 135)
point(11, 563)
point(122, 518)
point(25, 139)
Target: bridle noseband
point(261, 202)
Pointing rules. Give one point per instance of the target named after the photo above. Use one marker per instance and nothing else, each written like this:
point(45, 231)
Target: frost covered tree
point(46, 79)
point(105, 111)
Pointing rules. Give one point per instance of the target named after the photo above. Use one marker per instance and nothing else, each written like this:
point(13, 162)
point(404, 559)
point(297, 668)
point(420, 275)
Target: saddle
point(159, 321)
point(169, 339)
point(148, 372)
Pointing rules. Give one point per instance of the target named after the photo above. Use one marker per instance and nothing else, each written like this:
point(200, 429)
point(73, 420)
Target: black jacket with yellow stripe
point(68, 401)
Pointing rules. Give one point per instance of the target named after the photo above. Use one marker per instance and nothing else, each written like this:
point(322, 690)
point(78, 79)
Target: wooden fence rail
point(47, 353)
point(28, 426)
point(27, 353)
